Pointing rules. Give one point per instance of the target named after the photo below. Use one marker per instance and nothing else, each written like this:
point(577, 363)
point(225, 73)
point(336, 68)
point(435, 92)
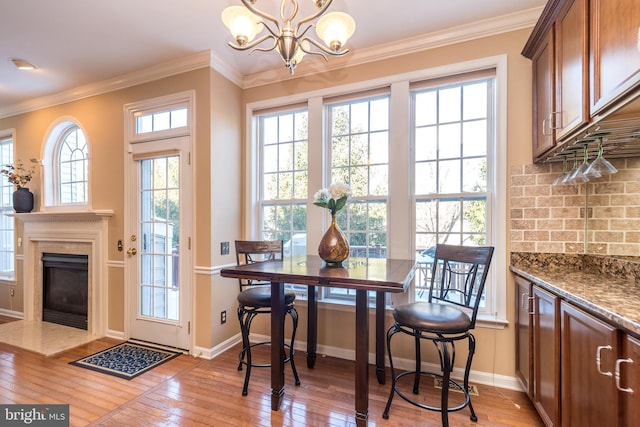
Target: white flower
point(333, 198)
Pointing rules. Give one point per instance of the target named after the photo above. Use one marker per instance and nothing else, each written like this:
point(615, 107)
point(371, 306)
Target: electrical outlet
point(223, 317)
point(224, 248)
point(12, 292)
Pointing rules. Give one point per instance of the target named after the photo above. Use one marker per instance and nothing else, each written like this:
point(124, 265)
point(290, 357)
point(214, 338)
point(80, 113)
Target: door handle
point(598, 351)
point(132, 251)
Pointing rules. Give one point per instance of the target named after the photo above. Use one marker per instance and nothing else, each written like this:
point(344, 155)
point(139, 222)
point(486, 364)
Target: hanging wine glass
point(580, 174)
point(569, 178)
point(600, 164)
point(559, 180)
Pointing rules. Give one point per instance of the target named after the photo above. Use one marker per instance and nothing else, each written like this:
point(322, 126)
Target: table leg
point(380, 340)
point(362, 358)
point(277, 344)
point(312, 325)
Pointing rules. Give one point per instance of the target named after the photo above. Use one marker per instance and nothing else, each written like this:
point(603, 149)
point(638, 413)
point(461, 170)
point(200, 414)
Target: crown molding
point(145, 75)
point(476, 30)
point(473, 31)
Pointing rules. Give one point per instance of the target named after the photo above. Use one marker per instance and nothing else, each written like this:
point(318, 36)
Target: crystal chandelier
point(289, 39)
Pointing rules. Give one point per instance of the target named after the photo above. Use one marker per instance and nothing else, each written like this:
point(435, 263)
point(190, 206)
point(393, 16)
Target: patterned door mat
point(473, 390)
point(126, 360)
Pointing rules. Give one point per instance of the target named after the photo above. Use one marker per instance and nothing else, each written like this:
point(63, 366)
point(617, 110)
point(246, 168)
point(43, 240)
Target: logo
point(34, 415)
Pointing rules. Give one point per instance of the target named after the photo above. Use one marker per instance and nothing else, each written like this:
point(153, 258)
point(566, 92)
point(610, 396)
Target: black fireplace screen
point(65, 289)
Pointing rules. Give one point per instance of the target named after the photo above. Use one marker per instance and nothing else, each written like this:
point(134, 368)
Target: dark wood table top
point(375, 274)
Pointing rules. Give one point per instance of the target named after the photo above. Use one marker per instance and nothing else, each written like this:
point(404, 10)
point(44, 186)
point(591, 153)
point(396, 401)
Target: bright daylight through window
point(450, 181)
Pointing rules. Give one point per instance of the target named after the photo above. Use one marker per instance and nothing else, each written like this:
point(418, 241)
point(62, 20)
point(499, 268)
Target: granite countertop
point(603, 286)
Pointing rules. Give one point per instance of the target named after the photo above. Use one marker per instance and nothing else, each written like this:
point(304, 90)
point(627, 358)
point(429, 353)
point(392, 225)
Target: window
point(6, 206)
point(424, 154)
point(453, 135)
point(161, 120)
point(72, 167)
point(284, 179)
point(359, 141)
point(66, 167)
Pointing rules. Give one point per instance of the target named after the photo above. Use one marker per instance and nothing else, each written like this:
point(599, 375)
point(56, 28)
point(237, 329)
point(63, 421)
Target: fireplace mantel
point(71, 232)
point(63, 216)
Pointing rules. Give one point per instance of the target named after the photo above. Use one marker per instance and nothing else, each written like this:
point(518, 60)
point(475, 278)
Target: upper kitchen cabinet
point(559, 53)
point(614, 51)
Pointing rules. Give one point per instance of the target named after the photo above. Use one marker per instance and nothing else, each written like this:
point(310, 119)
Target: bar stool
point(458, 277)
point(255, 298)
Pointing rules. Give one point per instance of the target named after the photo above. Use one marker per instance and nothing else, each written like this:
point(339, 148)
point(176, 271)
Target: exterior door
point(158, 243)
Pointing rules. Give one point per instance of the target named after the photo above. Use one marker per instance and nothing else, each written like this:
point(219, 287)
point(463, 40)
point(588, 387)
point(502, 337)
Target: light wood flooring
point(187, 391)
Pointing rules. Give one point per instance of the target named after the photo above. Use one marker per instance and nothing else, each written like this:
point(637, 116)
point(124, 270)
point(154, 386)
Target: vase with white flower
point(20, 176)
point(334, 246)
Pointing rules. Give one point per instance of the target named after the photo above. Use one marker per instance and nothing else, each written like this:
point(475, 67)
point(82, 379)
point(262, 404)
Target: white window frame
point(50, 167)
point(400, 221)
point(6, 137)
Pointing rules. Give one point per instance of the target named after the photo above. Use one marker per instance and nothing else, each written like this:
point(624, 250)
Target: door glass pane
point(159, 234)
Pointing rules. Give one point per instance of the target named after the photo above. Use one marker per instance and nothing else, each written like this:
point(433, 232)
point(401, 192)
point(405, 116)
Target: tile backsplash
point(599, 217)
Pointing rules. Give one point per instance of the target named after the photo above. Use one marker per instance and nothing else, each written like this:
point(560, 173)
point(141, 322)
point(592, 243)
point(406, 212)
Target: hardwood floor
point(187, 391)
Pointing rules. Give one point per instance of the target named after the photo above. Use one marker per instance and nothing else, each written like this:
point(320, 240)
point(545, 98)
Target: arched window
point(66, 166)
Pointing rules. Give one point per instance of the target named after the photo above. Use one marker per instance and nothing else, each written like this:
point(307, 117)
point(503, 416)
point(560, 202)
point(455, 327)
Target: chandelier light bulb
point(288, 36)
point(243, 24)
point(335, 28)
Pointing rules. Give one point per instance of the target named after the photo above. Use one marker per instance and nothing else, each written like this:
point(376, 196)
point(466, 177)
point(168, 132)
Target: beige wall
point(216, 143)
point(220, 172)
point(496, 347)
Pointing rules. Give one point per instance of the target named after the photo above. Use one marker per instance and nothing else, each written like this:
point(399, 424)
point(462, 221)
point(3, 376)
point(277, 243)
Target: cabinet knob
point(598, 351)
point(618, 363)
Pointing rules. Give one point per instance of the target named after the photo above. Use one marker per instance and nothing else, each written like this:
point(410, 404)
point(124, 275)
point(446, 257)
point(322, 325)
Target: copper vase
point(334, 247)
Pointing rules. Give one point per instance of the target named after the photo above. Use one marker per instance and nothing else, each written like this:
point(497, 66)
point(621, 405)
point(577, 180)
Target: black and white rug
point(126, 360)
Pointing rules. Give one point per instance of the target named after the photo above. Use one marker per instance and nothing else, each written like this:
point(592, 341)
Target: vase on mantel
point(334, 247)
point(22, 200)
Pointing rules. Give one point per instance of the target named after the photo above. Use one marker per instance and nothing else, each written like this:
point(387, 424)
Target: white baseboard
point(477, 377)
point(11, 313)
point(210, 353)
point(119, 335)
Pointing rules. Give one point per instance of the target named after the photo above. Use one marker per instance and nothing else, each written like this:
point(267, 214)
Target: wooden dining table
point(359, 274)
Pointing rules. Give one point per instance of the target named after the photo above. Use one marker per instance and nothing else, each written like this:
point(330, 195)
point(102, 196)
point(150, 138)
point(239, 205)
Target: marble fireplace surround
point(79, 233)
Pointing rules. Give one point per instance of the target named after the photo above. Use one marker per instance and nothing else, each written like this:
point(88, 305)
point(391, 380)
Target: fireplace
point(76, 233)
point(65, 287)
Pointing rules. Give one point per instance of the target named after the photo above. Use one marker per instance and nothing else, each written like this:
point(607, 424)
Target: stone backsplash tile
point(600, 217)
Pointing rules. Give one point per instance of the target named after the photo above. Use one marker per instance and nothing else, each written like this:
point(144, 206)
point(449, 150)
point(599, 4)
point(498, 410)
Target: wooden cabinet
point(524, 358)
point(559, 58)
point(589, 353)
point(543, 66)
point(585, 68)
point(545, 331)
point(571, 109)
point(628, 381)
point(614, 50)
point(577, 369)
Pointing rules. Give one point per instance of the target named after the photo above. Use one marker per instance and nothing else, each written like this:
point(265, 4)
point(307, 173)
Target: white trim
point(472, 31)
point(149, 74)
point(499, 157)
point(131, 140)
point(464, 33)
point(401, 364)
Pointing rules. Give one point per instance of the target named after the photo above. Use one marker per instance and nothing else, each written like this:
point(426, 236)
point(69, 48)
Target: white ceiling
point(79, 42)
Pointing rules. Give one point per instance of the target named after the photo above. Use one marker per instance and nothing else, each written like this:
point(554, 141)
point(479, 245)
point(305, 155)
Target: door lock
point(132, 251)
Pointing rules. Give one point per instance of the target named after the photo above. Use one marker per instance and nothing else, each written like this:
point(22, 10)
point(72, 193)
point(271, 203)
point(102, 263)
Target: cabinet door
point(589, 352)
point(629, 368)
point(615, 53)
point(546, 356)
point(572, 68)
point(543, 97)
point(524, 360)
